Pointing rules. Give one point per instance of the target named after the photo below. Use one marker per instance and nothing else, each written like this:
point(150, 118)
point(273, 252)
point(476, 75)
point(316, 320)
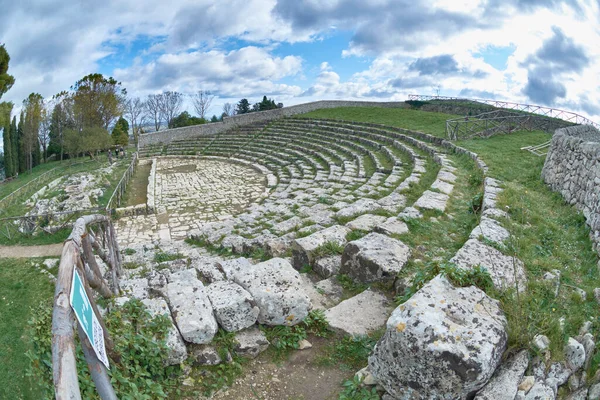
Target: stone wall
point(167, 136)
point(572, 168)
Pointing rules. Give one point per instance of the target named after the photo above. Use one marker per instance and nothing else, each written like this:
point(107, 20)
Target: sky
point(542, 52)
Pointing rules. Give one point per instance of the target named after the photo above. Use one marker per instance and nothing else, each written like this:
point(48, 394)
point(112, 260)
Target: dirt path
point(49, 250)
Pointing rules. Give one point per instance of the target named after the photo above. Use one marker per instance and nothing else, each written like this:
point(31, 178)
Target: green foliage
point(355, 235)
point(97, 101)
point(475, 203)
point(353, 390)
point(478, 276)
point(284, 338)
point(242, 107)
point(185, 119)
point(325, 200)
point(351, 351)
point(129, 252)
point(328, 249)
point(6, 80)
point(120, 133)
point(317, 324)
point(139, 340)
point(89, 140)
point(349, 285)
point(416, 104)
point(161, 256)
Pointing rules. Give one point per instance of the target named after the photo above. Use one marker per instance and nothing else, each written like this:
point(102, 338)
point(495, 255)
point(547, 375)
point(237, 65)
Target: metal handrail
point(531, 108)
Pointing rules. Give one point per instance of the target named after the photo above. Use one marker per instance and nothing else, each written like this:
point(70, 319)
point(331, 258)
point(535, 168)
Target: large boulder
point(443, 343)
point(177, 350)
point(191, 307)
point(374, 258)
point(503, 269)
point(505, 382)
point(303, 249)
point(277, 290)
point(233, 306)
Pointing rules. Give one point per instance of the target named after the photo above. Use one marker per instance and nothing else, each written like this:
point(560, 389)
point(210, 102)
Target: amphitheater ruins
point(274, 192)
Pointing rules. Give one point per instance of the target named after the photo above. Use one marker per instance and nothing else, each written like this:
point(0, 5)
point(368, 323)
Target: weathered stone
point(331, 287)
point(580, 394)
point(410, 213)
point(374, 258)
point(597, 295)
point(442, 186)
point(231, 267)
point(233, 306)
point(541, 342)
point(304, 344)
point(177, 350)
point(328, 266)
point(432, 201)
point(594, 392)
point(540, 391)
point(191, 307)
point(361, 314)
point(589, 345)
point(502, 269)
point(137, 288)
point(206, 355)
point(277, 290)
point(505, 381)
point(574, 354)
point(557, 375)
point(450, 341)
point(208, 269)
point(490, 230)
point(392, 226)
point(366, 222)
point(361, 206)
point(527, 383)
point(303, 250)
point(250, 342)
point(366, 377)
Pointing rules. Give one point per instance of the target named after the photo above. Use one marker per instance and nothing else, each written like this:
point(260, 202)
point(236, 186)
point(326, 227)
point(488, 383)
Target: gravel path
point(49, 250)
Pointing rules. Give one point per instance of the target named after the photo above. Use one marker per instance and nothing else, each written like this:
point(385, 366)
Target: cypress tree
point(14, 141)
point(21, 144)
point(8, 162)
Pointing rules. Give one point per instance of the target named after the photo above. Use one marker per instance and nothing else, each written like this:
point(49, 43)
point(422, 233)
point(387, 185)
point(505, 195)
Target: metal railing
point(499, 121)
point(90, 233)
point(530, 108)
point(27, 189)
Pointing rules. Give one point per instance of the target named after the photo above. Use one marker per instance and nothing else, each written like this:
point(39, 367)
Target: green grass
point(423, 121)
point(546, 234)
point(22, 287)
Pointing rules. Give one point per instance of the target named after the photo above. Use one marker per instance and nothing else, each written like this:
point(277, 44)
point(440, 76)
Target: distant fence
point(499, 121)
point(27, 189)
point(530, 108)
point(119, 192)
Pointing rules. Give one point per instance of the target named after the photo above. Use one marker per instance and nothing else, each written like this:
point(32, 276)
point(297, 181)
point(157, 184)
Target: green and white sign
point(87, 318)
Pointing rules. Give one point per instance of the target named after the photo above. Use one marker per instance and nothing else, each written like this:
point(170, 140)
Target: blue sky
point(530, 51)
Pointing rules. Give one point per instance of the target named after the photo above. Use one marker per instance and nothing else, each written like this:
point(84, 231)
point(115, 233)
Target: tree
point(135, 110)
point(171, 104)
point(5, 109)
point(32, 107)
point(214, 119)
point(89, 140)
point(22, 160)
point(6, 80)
point(185, 119)
point(98, 101)
point(243, 107)
point(154, 109)
point(202, 101)
point(62, 118)
point(228, 110)
point(266, 104)
point(14, 141)
point(120, 133)
point(44, 133)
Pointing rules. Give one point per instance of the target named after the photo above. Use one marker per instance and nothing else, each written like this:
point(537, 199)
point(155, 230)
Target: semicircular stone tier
point(319, 173)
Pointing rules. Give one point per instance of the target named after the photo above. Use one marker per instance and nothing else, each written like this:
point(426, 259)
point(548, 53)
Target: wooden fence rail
point(77, 254)
point(119, 193)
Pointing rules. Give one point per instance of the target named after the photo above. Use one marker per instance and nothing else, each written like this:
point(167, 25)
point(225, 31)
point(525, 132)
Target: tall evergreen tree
point(120, 133)
point(14, 141)
point(8, 163)
point(21, 144)
point(6, 80)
